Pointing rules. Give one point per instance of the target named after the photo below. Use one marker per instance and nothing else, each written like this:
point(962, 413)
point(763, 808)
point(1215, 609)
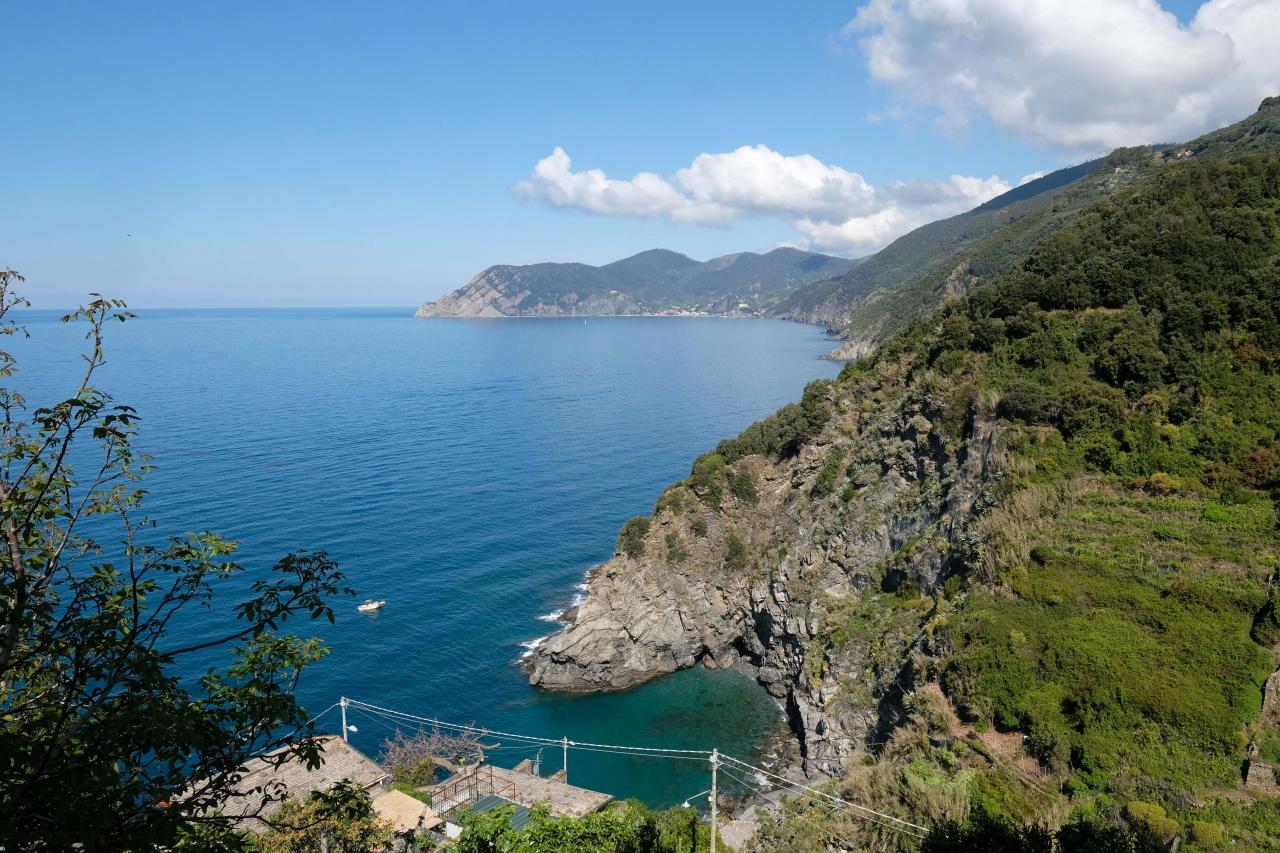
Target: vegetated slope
point(650, 282)
point(945, 259)
point(831, 302)
point(1021, 562)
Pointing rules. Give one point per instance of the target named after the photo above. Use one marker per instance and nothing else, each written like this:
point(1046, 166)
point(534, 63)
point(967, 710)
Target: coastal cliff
point(758, 564)
point(1022, 557)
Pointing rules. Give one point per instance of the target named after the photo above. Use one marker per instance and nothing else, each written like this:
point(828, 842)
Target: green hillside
point(945, 259)
point(1116, 605)
point(650, 282)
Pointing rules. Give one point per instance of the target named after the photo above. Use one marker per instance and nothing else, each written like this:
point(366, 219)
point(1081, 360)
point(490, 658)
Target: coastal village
point(426, 818)
point(427, 785)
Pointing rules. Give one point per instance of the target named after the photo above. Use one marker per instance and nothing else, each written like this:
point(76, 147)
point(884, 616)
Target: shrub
point(1266, 625)
point(987, 334)
point(743, 485)
point(707, 478)
point(699, 527)
point(1152, 818)
point(413, 790)
point(1091, 406)
point(1027, 401)
point(676, 552)
point(1161, 483)
point(735, 552)
point(417, 774)
point(1090, 836)
point(1043, 347)
point(783, 434)
point(985, 833)
point(672, 499)
point(1098, 450)
point(631, 539)
point(1207, 834)
point(825, 484)
point(1258, 467)
point(955, 333)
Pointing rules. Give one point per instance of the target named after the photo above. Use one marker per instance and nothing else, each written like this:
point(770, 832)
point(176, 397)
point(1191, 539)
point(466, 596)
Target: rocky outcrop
point(823, 600)
point(506, 291)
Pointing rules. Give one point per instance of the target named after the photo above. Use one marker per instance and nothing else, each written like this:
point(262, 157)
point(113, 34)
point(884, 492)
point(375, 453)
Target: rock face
point(812, 608)
point(506, 291)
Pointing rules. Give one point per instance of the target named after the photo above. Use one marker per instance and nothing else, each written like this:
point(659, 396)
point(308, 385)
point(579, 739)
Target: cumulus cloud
point(832, 208)
point(1081, 75)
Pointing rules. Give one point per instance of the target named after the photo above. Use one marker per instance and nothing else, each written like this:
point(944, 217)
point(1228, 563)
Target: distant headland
point(656, 282)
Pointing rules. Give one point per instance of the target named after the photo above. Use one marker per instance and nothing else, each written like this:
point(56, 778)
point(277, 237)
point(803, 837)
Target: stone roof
point(561, 799)
point(340, 761)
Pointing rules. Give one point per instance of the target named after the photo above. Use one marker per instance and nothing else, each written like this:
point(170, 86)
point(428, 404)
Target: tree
point(340, 820)
point(414, 758)
point(103, 743)
point(1132, 360)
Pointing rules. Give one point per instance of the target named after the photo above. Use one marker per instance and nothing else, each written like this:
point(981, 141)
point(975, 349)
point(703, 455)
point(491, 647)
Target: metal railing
point(469, 787)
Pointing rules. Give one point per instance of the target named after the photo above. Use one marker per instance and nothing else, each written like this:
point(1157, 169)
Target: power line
point(841, 807)
point(322, 713)
point(906, 824)
point(852, 809)
point(826, 833)
point(706, 753)
point(532, 742)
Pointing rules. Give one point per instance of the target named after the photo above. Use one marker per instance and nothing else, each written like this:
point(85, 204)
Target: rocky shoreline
point(815, 558)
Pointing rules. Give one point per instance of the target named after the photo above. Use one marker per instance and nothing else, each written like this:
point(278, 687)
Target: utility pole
point(565, 743)
point(715, 762)
point(343, 703)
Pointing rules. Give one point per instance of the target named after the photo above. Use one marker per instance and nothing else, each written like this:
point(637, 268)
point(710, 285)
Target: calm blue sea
point(468, 472)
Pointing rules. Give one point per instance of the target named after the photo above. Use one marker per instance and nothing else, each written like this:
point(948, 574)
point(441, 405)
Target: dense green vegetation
point(781, 434)
point(624, 828)
point(985, 833)
point(1116, 602)
point(1137, 348)
point(631, 539)
point(943, 259)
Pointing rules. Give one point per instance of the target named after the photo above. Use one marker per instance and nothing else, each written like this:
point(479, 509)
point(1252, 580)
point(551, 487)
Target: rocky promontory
point(653, 282)
point(795, 564)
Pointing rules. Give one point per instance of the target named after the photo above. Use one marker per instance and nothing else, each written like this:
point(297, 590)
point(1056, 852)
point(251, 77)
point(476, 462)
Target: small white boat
point(370, 606)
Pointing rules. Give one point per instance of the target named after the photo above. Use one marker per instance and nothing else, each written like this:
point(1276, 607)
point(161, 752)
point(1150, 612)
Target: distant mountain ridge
point(652, 282)
point(945, 259)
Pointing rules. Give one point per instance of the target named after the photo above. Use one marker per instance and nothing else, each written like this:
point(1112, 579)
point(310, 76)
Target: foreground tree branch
point(102, 743)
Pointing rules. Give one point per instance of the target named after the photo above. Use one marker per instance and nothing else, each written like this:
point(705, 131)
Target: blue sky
point(368, 154)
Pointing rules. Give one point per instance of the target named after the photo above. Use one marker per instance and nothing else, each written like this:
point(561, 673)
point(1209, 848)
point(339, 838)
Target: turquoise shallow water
point(468, 472)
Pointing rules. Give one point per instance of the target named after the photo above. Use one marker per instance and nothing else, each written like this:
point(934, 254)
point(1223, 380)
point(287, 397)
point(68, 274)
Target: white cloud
point(832, 208)
point(1081, 75)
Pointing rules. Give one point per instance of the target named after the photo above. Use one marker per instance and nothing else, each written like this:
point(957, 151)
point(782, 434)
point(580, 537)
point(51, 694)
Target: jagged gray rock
point(905, 481)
